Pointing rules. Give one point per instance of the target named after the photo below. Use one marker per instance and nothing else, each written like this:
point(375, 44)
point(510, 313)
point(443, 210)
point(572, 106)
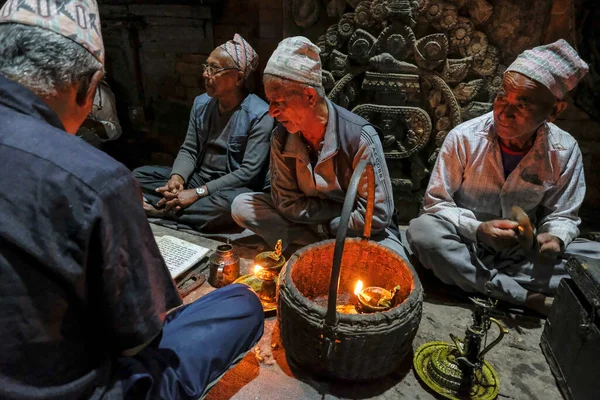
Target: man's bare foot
point(152, 211)
point(539, 302)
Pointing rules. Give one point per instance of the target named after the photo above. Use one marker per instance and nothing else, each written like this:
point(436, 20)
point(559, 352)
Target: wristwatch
point(201, 191)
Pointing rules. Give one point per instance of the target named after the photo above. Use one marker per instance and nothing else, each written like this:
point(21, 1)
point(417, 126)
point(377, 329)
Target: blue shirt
point(81, 277)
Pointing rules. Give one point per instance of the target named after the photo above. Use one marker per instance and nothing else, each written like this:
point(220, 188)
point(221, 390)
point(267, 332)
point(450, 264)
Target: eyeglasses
point(212, 71)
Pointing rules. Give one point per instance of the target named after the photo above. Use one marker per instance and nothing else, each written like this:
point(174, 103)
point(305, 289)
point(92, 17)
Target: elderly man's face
point(288, 104)
point(220, 74)
point(521, 106)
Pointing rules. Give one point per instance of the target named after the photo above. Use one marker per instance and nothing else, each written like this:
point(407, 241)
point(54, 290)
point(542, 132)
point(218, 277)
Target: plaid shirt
point(468, 186)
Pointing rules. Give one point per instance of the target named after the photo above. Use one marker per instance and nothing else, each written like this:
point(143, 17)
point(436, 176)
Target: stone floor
point(266, 374)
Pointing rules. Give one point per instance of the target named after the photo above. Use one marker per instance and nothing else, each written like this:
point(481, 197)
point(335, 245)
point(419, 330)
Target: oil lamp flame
point(257, 269)
point(358, 287)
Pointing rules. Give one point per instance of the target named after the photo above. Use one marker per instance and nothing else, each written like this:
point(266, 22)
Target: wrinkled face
point(221, 74)
point(521, 106)
point(288, 103)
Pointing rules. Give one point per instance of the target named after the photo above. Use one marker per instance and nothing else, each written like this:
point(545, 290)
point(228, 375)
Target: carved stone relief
point(418, 68)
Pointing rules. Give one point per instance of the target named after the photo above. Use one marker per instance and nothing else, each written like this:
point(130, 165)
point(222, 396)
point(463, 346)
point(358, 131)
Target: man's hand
point(172, 188)
point(95, 126)
point(498, 234)
point(182, 200)
point(550, 246)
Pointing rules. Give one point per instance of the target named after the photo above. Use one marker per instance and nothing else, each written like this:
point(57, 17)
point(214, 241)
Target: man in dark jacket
point(314, 151)
point(225, 152)
point(84, 291)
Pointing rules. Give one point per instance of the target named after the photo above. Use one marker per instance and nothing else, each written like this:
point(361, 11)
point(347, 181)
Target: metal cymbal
point(525, 229)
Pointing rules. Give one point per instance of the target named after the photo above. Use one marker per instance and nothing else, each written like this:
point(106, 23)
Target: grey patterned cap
point(297, 59)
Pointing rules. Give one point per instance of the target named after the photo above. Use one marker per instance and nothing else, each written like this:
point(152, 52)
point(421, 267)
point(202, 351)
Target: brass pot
point(224, 266)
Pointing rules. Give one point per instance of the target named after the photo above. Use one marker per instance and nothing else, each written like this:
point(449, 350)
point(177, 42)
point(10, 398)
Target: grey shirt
point(305, 193)
point(214, 162)
point(247, 134)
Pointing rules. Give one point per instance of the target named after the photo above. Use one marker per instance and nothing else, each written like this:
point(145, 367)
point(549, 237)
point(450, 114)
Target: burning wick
point(358, 287)
point(257, 269)
point(521, 229)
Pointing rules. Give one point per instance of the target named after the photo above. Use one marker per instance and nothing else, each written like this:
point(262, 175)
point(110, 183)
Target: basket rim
point(376, 317)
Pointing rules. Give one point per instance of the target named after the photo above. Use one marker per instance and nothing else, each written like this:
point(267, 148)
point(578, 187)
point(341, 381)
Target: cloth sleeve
point(107, 115)
point(255, 156)
point(131, 281)
point(370, 148)
point(560, 205)
point(187, 158)
point(446, 179)
point(290, 201)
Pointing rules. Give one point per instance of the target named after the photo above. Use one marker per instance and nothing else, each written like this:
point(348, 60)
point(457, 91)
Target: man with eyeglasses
point(225, 152)
point(513, 156)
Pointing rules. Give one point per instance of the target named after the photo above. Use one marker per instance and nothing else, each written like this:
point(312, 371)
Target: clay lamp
point(267, 266)
point(376, 299)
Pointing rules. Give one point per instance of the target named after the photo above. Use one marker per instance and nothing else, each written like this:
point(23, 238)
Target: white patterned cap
point(556, 66)
point(297, 59)
point(77, 20)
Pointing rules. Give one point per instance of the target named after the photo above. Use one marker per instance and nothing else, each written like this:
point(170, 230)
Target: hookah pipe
point(471, 357)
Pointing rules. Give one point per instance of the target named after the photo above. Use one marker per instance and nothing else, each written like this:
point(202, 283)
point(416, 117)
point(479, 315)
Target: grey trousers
point(256, 212)
point(507, 275)
point(209, 214)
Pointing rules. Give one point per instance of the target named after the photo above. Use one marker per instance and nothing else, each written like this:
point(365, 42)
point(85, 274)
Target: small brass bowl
point(370, 299)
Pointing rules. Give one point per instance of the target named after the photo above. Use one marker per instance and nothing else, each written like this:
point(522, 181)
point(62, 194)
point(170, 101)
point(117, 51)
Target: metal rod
point(331, 315)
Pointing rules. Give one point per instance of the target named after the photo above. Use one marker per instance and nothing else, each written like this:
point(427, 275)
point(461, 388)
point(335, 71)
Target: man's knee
point(248, 305)
point(143, 171)
point(584, 247)
point(424, 232)
point(241, 208)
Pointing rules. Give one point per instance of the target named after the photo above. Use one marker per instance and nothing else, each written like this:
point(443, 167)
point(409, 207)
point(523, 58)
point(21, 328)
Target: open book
point(180, 255)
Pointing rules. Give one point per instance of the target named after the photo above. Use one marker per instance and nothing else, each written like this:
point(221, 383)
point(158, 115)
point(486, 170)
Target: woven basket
point(347, 346)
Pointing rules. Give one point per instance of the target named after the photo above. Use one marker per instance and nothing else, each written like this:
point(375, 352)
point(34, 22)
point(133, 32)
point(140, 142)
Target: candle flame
point(358, 287)
point(257, 268)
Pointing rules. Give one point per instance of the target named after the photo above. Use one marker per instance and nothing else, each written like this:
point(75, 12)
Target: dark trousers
point(199, 343)
point(211, 213)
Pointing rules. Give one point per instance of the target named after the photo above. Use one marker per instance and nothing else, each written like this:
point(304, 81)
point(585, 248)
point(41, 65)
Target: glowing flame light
point(358, 287)
point(257, 269)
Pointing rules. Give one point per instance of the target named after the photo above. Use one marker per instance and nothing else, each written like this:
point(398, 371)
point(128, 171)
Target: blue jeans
point(198, 344)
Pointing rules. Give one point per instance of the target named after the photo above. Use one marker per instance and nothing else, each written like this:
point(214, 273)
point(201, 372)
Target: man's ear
point(241, 79)
point(311, 95)
point(85, 95)
point(559, 107)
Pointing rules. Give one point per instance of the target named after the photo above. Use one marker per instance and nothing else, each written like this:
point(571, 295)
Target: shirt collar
point(296, 147)
point(22, 100)
point(331, 140)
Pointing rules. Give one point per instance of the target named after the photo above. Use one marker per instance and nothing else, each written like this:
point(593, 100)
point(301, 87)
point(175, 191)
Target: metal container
point(224, 266)
point(571, 337)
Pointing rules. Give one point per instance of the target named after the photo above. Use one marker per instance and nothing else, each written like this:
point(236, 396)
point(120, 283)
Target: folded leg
point(199, 343)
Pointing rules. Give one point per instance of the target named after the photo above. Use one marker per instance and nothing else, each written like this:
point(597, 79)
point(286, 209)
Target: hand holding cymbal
point(524, 230)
